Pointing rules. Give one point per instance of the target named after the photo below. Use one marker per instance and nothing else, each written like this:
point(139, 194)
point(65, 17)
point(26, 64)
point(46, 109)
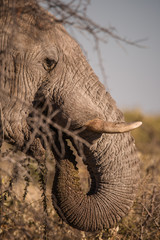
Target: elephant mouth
point(45, 121)
point(80, 166)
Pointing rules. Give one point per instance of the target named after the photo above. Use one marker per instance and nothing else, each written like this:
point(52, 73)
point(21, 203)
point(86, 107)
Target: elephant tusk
point(101, 126)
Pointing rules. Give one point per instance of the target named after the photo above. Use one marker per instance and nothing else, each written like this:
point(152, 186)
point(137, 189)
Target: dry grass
point(26, 208)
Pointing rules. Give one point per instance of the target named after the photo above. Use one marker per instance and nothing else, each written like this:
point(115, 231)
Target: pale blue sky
point(133, 74)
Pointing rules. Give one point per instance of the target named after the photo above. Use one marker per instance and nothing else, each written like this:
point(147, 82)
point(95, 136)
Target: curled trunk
point(114, 169)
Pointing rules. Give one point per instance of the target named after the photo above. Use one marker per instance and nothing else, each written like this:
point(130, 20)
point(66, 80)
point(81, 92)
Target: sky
point(132, 73)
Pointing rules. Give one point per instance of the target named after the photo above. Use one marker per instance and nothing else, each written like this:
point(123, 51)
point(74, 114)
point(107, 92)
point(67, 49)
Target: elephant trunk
point(114, 169)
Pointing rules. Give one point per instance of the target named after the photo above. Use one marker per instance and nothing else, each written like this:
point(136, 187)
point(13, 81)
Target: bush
point(26, 208)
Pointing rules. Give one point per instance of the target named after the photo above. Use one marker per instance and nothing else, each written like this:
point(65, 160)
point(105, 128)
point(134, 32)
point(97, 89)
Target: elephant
point(42, 64)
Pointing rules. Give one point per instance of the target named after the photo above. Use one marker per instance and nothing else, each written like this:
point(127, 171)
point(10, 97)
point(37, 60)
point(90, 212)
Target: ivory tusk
point(101, 126)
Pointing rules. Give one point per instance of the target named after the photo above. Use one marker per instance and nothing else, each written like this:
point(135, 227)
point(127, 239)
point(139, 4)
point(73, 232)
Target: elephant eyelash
point(49, 64)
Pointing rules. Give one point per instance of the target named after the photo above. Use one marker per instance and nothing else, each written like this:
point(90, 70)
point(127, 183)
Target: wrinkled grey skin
point(39, 58)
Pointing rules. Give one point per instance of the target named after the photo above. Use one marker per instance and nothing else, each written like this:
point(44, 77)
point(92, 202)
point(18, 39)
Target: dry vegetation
point(25, 202)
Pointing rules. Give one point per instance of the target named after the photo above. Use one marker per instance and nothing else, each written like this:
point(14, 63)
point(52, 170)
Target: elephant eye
point(49, 64)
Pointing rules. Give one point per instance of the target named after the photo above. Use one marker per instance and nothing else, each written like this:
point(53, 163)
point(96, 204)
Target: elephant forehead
point(36, 49)
point(27, 28)
point(65, 41)
point(41, 33)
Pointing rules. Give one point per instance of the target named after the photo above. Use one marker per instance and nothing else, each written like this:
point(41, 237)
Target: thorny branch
point(73, 13)
point(150, 212)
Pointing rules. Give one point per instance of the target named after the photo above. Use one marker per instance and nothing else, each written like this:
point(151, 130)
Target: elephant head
point(41, 62)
